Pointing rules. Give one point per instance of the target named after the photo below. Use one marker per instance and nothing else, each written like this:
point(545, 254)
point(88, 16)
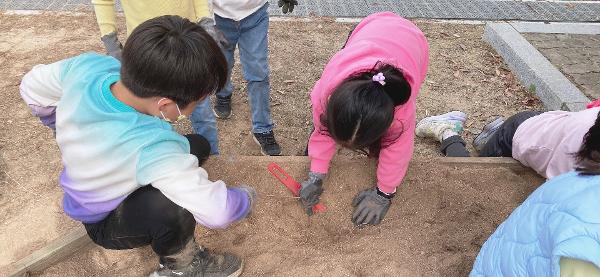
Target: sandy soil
point(465, 74)
point(435, 227)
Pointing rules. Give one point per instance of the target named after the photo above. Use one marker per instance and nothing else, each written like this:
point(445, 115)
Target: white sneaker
point(434, 126)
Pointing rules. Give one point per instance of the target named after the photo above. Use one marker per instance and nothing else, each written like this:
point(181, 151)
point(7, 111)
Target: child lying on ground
point(543, 141)
point(128, 177)
point(365, 99)
point(556, 231)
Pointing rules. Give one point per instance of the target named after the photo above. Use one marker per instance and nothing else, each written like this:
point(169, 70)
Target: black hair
point(171, 57)
point(360, 110)
point(588, 156)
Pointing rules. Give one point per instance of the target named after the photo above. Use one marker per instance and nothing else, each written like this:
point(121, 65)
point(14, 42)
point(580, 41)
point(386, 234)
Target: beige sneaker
point(434, 126)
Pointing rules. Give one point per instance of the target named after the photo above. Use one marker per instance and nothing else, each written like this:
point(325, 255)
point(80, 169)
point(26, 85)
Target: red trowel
point(291, 184)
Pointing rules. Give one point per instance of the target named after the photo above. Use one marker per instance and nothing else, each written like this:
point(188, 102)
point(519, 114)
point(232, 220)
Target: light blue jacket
point(560, 219)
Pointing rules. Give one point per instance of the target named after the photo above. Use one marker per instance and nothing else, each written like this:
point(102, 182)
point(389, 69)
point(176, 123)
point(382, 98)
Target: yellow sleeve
point(105, 15)
point(577, 268)
point(202, 9)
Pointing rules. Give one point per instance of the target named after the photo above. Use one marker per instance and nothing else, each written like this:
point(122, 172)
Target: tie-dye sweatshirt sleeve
point(41, 89)
point(166, 166)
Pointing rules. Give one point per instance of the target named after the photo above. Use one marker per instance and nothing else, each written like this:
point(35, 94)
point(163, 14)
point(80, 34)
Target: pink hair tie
point(379, 78)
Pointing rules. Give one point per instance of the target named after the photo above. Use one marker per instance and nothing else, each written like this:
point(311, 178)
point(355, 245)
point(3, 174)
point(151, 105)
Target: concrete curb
point(557, 28)
point(533, 69)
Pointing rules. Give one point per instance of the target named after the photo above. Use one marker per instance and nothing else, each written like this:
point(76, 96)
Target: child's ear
point(163, 102)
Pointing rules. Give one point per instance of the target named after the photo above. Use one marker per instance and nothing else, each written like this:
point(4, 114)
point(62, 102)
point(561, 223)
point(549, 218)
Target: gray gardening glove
point(208, 24)
point(311, 190)
point(370, 207)
point(251, 192)
point(287, 5)
point(112, 45)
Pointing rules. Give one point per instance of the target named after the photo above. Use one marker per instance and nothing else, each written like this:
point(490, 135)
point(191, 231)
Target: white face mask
point(179, 118)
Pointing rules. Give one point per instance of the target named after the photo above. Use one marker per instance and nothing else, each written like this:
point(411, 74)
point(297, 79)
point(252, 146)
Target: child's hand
point(369, 207)
point(311, 190)
point(287, 5)
point(112, 45)
point(208, 24)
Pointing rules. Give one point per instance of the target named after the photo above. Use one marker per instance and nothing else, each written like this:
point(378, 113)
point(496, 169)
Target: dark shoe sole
point(220, 117)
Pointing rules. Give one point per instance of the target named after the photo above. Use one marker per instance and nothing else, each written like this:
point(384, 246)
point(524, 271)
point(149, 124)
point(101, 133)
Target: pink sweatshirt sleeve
point(395, 158)
point(321, 147)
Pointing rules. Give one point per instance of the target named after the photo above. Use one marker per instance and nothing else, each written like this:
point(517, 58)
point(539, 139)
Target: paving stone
point(589, 79)
point(581, 68)
point(592, 90)
point(441, 9)
point(558, 58)
point(577, 56)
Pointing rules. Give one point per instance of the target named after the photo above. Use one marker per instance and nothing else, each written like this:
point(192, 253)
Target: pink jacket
point(388, 38)
point(547, 142)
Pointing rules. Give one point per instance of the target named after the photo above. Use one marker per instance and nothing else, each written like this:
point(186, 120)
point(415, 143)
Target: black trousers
point(499, 145)
point(146, 217)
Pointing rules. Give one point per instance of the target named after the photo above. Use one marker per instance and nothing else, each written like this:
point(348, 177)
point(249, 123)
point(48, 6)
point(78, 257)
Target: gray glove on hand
point(311, 190)
point(287, 5)
point(112, 45)
point(208, 24)
point(370, 207)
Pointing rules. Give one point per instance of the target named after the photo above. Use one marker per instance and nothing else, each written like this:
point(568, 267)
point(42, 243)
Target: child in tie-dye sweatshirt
point(128, 177)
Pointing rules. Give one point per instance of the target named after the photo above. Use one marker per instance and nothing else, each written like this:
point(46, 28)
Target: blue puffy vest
point(559, 219)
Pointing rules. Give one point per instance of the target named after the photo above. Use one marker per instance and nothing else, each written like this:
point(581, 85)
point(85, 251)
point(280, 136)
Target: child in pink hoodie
point(365, 99)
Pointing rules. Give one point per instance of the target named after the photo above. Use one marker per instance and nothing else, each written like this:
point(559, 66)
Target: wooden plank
point(55, 251)
point(484, 162)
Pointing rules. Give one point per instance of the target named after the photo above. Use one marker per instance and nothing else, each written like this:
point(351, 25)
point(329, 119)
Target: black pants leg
point(199, 147)
point(146, 216)
point(454, 146)
point(500, 144)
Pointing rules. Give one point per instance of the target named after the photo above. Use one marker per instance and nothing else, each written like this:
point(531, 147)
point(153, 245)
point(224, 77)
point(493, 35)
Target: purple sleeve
point(238, 204)
point(47, 115)
point(49, 120)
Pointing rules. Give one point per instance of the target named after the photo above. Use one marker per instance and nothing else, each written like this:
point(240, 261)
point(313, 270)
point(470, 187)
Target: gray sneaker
point(204, 264)
point(488, 131)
